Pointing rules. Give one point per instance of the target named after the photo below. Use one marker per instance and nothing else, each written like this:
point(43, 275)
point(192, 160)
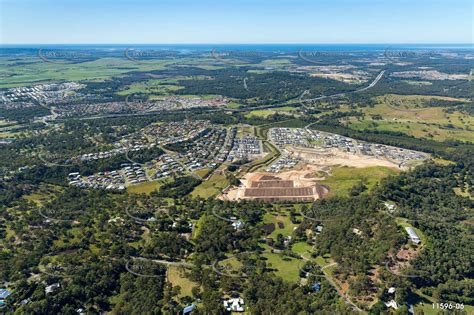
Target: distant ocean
point(248, 47)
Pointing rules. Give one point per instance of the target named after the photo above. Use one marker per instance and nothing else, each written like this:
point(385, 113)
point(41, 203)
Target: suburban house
point(412, 235)
point(4, 293)
point(234, 305)
point(188, 309)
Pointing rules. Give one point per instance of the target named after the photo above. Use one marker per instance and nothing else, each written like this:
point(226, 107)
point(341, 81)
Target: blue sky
point(236, 21)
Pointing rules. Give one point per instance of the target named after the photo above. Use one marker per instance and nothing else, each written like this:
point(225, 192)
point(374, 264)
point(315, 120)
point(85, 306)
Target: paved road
point(174, 155)
point(371, 85)
point(339, 291)
point(331, 281)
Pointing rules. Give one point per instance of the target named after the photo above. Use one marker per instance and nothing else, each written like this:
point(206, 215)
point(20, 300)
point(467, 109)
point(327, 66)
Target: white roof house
point(389, 206)
point(391, 303)
point(234, 305)
point(238, 225)
point(412, 234)
point(51, 288)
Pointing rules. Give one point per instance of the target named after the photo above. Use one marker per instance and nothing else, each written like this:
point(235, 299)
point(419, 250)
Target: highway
point(371, 85)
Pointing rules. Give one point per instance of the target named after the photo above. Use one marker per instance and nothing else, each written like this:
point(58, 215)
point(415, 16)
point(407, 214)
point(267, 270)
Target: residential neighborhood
point(314, 139)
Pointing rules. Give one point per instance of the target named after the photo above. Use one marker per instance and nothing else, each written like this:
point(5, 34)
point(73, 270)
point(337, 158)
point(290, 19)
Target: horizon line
point(259, 43)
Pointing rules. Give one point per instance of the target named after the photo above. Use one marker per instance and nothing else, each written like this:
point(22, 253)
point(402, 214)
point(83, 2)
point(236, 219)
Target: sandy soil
point(303, 176)
point(331, 157)
point(314, 160)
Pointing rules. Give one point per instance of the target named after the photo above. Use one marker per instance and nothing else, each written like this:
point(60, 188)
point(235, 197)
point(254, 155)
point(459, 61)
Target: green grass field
point(202, 172)
point(301, 248)
point(286, 267)
point(153, 86)
point(37, 71)
point(323, 261)
point(234, 105)
point(43, 194)
point(411, 114)
point(210, 187)
point(176, 276)
point(287, 228)
point(144, 188)
point(343, 178)
point(198, 226)
point(267, 112)
point(231, 265)
point(415, 129)
point(465, 193)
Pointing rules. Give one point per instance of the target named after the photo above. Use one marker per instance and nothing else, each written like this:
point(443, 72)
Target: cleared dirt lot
point(331, 157)
point(272, 184)
point(279, 192)
point(296, 185)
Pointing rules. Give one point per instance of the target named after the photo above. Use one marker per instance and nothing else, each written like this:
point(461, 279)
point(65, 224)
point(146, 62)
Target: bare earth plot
point(333, 156)
point(296, 185)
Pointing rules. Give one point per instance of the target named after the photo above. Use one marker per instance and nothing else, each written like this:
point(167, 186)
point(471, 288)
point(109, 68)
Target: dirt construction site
point(334, 156)
point(296, 185)
point(300, 183)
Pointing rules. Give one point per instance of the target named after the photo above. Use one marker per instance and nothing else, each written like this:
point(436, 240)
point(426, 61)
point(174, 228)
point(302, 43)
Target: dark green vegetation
point(262, 89)
point(22, 115)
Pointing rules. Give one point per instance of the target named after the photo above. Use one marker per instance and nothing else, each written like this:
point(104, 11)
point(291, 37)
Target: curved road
point(165, 262)
point(371, 85)
point(331, 282)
